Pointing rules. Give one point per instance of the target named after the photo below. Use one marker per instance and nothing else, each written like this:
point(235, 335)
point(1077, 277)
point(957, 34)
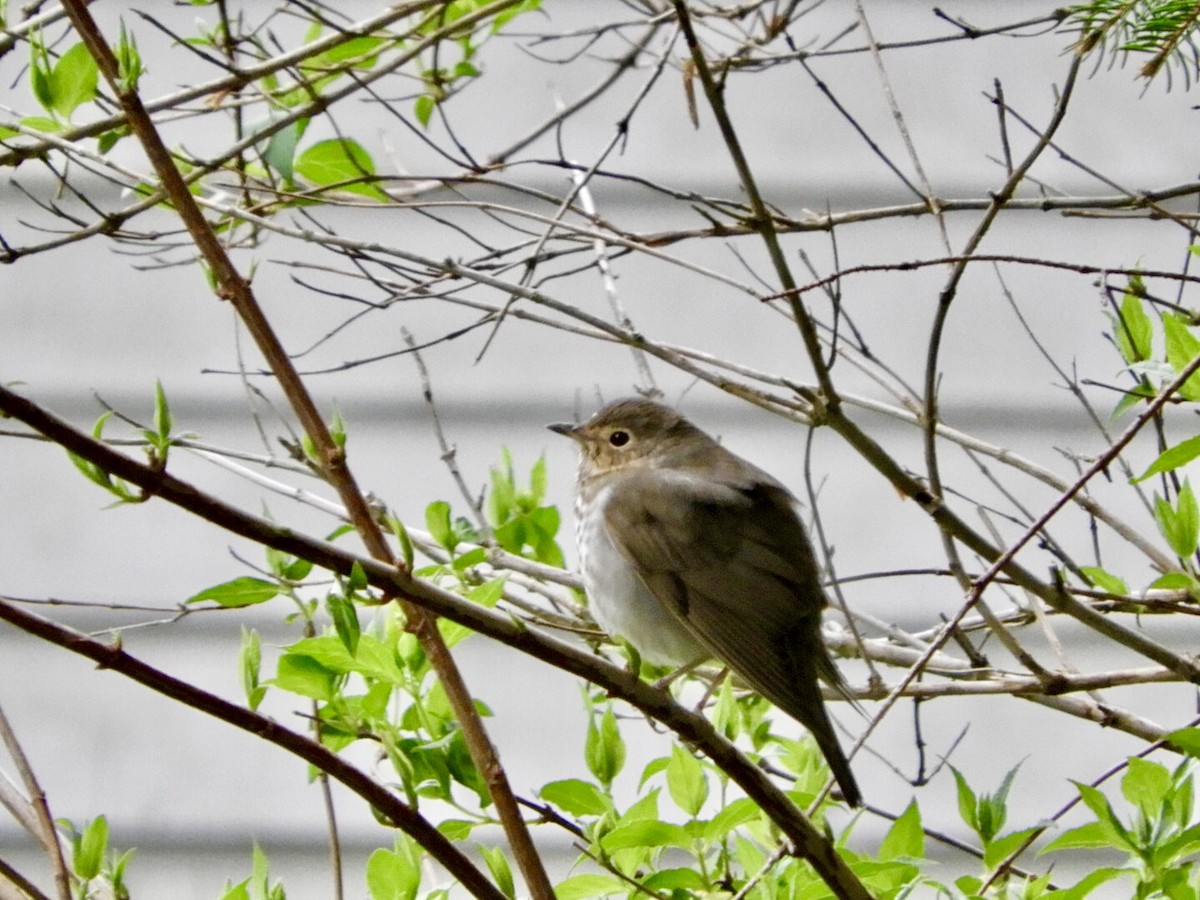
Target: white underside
point(622, 605)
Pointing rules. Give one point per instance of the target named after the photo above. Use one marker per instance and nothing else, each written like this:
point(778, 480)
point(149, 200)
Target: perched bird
point(689, 552)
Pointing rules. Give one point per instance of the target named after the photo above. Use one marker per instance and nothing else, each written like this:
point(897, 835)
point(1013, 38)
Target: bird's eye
point(619, 438)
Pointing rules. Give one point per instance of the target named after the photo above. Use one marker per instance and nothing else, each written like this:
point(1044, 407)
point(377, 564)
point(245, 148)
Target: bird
point(691, 553)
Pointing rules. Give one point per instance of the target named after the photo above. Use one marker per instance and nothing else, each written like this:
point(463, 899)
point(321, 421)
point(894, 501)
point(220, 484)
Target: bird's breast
point(619, 600)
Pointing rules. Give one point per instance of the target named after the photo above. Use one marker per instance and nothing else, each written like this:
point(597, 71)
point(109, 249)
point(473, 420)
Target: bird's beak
point(564, 428)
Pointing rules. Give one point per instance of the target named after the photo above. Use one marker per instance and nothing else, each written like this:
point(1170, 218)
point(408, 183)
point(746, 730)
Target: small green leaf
point(340, 163)
point(305, 676)
point(1177, 581)
point(162, 413)
point(280, 152)
point(394, 874)
point(1182, 347)
point(402, 537)
point(457, 829)
point(604, 750)
point(739, 812)
point(1172, 458)
point(423, 109)
point(1187, 740)
point(357, 582)
point(437, 520)
point(688, 882)
point(1132, 327)
point(244, 591)
point(905, 839)
point(1178, 524)
point(686, 781)
point(345, 620)
point(999, 849)
point(1092, 836)
point(1105, 581)
point(579, 798)
point(967, 803)
point(73, 80)
point(498, 865)
point(250, 663)
point(586, 887)
point(41, 123)
point(1145, 785)
point(645, 833)
point(92, 845)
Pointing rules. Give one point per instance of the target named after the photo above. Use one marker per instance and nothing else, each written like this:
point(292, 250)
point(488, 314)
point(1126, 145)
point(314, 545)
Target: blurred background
point(97, 323)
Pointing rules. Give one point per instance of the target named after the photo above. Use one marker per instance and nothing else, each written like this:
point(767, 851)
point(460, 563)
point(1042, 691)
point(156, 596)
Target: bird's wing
point(731, 559)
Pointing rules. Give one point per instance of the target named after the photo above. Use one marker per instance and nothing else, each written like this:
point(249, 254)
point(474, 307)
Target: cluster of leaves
point(62, 83)
point(158, 438)
point(94, 864)
point(1157, 348)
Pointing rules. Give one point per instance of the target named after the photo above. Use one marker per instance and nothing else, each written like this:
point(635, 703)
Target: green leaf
point(423, 109)
point(92, 844)
point(437, 520)
point(497, 864)
point(162, 412)
point(394, 874)
point(345, 620)
point(579, 798)
point(41, 123)
point(1133, 329)
point(244, 591)
point(342, 163)
point(999, 849)
point(280, 152)
point(305, 676)
point(1187, 740)
point(358, 578)
point(129, 61)
point(457, 829)
point(1104, 580)
point(250, 663)
point(1182, 347)
point(645, 833)
point(686, 781)
point(585, 887)
point(905, 839)
point(739, 812)
point(487, 594)
point(402, 537)
point(40, 79)
point(1086, 885)
point(1145, 785)
point(1179, 524)
point(1118, 834)
point(667, 881)
point(73, 80)
point(1092, 836)
point(967, 803)
point(604, 750)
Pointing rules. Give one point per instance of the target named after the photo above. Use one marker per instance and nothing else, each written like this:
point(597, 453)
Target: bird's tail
point(805, 704)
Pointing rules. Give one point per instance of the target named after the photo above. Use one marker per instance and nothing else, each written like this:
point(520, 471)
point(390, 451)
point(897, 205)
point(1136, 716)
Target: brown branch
point(46, 832)
point(1081, 268)
point(232, 286)
point(387, 804)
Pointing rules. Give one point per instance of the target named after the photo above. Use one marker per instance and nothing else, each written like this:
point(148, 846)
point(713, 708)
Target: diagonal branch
point(395, 810)
point(232, 286)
